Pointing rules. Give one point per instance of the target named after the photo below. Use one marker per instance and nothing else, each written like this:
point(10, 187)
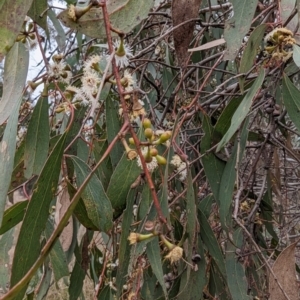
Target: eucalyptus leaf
point(243, 109)
point(12, 15)
point(37, 139)
point(96, 202)
point(124, 15)
point(291, 100)
point(237, 26)
point(28, 245)
point(15, 73)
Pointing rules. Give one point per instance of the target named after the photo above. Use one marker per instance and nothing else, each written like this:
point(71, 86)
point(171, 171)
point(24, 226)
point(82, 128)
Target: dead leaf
point(285, 272)
point(61, 207)
point(208, 45)
point(183, 10)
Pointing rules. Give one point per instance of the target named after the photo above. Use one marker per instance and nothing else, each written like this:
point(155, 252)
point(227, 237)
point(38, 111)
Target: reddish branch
point(108, 28)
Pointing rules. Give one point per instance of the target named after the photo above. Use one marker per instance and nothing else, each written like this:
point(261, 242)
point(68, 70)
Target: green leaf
point(124, 175)
point(7, 153)
point(291, 100)
point(191, 287)
point(80, 211)
point(45, 283)
point(106, 294)
point(224, 120)
point(77, 275)
point(153, 254)
point(96, 202)
point(229, 177)
point(13, 215)
point(57, 256)
point(205, 205)
point(210, 241)
point(124, 250)
point(79, 115)
point(105, 169)
point(28, 245)
point(213, 166)
point(266, 207)
point(37, 139)
point(296, 55)
point(6, 243)
point(123, 15)
point(12, 15)
point(15, 73)
point(168, 82)
point(250, 51)
point(113, 127)
point(216, 285)
point(38, 13)
point(145, 203)
point(61, 36)
point(237, 281)
point(238, 26)
point(243, 109)
point(191, 212)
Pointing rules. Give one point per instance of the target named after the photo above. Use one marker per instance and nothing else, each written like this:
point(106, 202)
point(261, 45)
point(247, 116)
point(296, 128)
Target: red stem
point(126, 117)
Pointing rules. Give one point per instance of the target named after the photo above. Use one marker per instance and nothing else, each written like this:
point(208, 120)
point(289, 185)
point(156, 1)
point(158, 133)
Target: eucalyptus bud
point(148, 133)
point(161, 160)
point(146, 123)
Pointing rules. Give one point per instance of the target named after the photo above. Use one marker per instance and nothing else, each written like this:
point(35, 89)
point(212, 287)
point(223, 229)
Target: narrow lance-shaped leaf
point(57, 256)
point(28, 245)
point(78, 273)
point(237, 281)
point(250, 51)
point(96, 202)
point(13, 215)
point(61, 36)
point(38, 13)
point(243, 109)
point(124, 175)
point(213, 166)
point(210, 241)
point(12, 15)
point(291, 100)
point(192, 286)
point(7, 154)
point(296, 55)
point(123, 14)
point(153, 254)
point(80, 211)
point(113, 128)
point(229, 177)
point(237, 26)
point(15, 73)
point(6, 243)
point(191, 212)
point(37, 139)
point(124, 252)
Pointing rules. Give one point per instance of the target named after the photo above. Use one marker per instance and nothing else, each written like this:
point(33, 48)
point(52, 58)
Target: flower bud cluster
point(279, 44)
point(27, 35)
point(149, 150)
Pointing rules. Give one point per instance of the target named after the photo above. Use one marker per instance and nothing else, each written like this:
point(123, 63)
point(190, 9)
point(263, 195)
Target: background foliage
point(166, 171)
